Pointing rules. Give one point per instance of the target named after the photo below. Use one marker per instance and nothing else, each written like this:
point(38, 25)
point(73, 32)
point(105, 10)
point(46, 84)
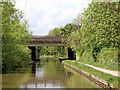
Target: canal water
point(47, 73)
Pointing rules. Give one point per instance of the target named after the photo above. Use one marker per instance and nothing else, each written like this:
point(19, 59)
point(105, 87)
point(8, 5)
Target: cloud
point(32, 29)
point(44, 15)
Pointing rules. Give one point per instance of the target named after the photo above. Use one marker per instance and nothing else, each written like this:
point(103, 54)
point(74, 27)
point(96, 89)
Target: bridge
point(49, 41)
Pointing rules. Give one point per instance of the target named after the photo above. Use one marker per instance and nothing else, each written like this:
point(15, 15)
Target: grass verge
point(103, 76)
point(98, 64)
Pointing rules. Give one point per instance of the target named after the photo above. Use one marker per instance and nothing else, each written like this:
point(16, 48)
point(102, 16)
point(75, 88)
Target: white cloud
point(32, 29)
point(44, 15)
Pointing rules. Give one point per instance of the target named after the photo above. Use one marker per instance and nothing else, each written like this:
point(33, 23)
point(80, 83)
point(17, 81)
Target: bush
point(87, 56)
point(108, 55)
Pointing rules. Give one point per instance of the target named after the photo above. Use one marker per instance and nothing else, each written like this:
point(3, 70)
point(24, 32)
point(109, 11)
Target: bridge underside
point(71, 55)
point(33, 52)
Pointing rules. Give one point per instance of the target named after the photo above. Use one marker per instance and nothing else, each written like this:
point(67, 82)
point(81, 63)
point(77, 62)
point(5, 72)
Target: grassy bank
point(98, 64)
point(105, 58)
point(106, 77)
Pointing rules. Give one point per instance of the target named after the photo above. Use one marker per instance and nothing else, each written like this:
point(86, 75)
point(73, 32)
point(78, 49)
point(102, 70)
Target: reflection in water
point(51, 74)
point(33, 68)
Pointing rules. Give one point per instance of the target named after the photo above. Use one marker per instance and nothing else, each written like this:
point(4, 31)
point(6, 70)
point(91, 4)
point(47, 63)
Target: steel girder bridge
point(50, 41)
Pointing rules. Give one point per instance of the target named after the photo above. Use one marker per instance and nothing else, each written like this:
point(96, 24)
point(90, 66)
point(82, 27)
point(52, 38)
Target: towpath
point(114, 73)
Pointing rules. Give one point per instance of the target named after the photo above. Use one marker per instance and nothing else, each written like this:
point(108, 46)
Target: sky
point(44, 15)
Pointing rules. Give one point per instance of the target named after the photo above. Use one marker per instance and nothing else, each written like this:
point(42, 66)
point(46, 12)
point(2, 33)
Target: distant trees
point(52, 50)
point(14, 37)
point(68, 29)
point(54, 32)
point(63, 32)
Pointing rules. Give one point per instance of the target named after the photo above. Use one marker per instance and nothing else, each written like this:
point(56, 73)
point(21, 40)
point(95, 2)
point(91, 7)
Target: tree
point(100, 28)
point(15, 37)
point(54, 32)
point(101, 25)
point(68, 29)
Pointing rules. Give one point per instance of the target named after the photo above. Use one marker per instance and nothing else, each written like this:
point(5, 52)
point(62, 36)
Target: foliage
point(54, 32)
point(101, 25)
point(73, 34)
point(53, 50)
point(74, 40)
point(64, 31)
point(43, 51)
point(87, 56)
point(108, 56)
point(99, 29)
point(14, 37)
point(68, 29)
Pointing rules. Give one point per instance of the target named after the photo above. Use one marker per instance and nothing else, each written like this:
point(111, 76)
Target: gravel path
point(114, 73)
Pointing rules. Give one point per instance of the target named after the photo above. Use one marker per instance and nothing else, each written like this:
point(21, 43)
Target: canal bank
point(102, 79)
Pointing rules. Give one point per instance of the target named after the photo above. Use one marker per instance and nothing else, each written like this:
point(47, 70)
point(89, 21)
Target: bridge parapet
point(44, 40)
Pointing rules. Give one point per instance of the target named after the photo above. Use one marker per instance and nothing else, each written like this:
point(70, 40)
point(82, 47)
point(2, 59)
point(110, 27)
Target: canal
point(47, 73)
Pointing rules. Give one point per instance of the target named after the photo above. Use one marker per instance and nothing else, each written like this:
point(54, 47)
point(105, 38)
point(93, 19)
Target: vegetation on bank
point(99, 38)
point(15, 37)
point(103, 76)
point(101, 65)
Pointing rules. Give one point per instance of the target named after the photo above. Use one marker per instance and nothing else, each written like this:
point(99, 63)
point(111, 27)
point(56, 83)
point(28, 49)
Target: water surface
point(48, 73)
